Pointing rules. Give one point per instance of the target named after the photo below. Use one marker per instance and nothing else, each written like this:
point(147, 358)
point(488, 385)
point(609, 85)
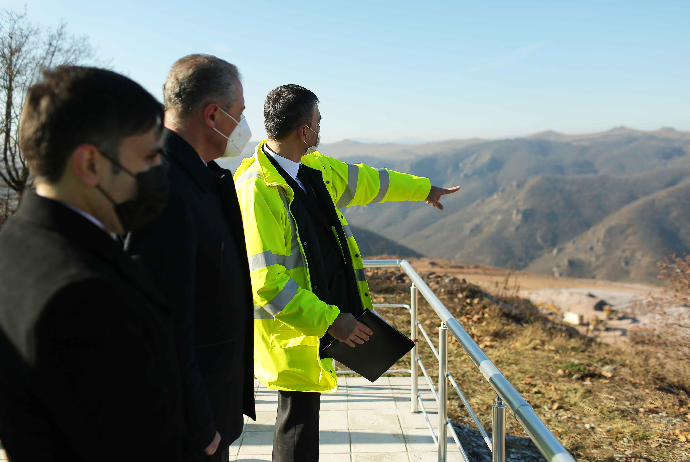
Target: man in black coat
point(89, 368)
point(195, 252)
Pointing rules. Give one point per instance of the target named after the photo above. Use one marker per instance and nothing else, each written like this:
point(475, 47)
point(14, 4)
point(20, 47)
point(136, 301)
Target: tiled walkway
point(362, 422)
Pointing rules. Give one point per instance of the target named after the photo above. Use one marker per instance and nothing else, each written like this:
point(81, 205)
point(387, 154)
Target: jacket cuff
point(334, 314)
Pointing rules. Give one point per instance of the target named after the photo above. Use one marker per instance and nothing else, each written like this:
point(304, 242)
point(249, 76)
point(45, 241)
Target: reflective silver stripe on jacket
point(262, 260)
point(281, 300)
point(361, 276)
point(268, 258)
point(261, 313)
point(384, 183)
point(348, 231)
point(247, 176)
point(349, 193)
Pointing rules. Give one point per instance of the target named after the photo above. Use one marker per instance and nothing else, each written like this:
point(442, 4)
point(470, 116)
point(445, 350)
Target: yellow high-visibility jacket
point(288, 318)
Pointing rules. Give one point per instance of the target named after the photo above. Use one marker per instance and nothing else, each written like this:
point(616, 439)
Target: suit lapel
point(225, 190)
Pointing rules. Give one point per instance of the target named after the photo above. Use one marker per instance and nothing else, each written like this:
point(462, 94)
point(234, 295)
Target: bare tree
point(24, 51)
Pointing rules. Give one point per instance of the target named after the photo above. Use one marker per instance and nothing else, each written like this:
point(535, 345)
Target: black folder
point(376, 355)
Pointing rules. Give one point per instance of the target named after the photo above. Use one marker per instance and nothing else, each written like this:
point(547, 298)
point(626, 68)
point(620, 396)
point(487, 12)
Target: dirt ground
point(628, 400)
point(632, 309)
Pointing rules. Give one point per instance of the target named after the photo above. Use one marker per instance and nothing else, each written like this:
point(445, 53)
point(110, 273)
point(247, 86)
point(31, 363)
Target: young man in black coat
point(195, 252)
point(89, 368)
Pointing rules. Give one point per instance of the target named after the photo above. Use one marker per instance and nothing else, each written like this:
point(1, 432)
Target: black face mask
point(150, 201)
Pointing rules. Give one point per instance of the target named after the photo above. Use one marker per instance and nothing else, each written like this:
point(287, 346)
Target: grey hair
point(196, 80)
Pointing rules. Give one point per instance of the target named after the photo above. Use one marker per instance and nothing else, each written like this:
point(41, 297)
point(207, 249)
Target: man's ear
point(210, 114)
point(87, 164)
point(302, 133)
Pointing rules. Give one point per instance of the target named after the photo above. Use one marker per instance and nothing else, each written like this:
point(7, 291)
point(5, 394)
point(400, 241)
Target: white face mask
point(311, 149)
point(239, 137)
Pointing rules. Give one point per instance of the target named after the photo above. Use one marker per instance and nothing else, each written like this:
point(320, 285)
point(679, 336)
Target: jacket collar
point(184, 154)
point(269, 173)
point(51, 214)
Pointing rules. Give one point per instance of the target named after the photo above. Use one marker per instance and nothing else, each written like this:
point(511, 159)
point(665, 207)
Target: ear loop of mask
point(305, 136)
point(119, 165)
point(235, 120)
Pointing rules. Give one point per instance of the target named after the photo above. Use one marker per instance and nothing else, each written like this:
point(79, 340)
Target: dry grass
point(600, 401)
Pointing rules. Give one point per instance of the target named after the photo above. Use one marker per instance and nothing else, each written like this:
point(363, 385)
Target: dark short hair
point(196, 80)
point(286, 108)
point(74, 105)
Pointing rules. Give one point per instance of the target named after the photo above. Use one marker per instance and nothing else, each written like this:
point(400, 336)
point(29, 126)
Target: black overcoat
point(196, 254)
point(89, 369)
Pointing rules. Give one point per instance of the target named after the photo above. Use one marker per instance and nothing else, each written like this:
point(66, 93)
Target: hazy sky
point(432, 70)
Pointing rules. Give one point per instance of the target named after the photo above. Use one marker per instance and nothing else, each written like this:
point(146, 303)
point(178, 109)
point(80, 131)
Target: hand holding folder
point(375, 356)
point(349, 330)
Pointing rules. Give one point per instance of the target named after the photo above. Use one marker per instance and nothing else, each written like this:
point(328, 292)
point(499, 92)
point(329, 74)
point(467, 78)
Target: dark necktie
point(302, 177)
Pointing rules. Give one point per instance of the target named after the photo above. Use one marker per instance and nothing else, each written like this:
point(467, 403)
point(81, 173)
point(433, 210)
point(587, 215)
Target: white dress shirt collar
point(290, 167)
point(91, 218)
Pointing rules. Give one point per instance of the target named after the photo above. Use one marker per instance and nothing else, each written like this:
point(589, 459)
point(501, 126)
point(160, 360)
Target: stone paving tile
point(364, 441)
point(379, 457)
point(254, 458)
point(266, 403)
point(265, 421)
point(409, 420)
point(334, 457)
point(235, 447)
point(334, 442)
point(433, 457)
point(419, 440)
point(371, 404)
point(334, 401)
point(384, 420)
point(361, 381)
point(333, 420)
point(334, 405)
point(256, 443)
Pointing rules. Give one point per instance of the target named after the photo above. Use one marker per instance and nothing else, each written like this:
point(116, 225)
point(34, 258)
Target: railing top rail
point(538, 432)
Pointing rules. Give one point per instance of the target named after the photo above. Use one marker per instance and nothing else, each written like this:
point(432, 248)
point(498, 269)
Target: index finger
point(364, 328)
point(451, 190)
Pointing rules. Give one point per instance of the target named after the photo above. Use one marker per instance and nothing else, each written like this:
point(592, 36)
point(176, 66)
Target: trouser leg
point(296, 433)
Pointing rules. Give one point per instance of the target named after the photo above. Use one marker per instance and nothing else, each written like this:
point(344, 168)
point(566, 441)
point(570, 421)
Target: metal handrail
point(550, 447)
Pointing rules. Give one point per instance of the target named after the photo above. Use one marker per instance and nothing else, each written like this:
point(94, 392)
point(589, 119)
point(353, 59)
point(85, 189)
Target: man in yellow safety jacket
point(307, 273)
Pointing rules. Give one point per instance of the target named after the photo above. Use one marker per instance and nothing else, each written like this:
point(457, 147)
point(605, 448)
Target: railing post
point(442, 392)
point(498, 433)
point(414, 389)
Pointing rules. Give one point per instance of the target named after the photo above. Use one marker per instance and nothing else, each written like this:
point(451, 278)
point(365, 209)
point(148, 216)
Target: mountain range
point(605, 205)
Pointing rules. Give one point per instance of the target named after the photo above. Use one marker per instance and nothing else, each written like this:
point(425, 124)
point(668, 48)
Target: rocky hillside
point(605, 205)
point(371, 244)
point(529, 203)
